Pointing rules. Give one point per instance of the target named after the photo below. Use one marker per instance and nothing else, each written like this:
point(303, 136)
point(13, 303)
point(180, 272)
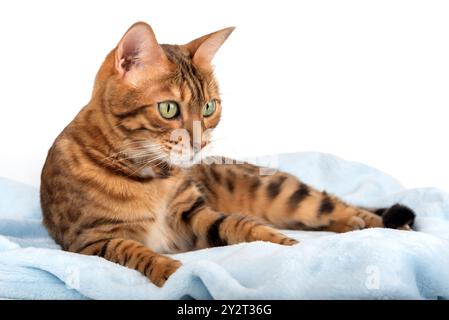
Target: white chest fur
point(162, 237)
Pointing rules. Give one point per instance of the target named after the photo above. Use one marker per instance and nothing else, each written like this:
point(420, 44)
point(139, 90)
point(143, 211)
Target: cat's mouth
point(176, 155)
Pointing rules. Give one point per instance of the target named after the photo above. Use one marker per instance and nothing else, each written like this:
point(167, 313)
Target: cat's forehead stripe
point(187, 75)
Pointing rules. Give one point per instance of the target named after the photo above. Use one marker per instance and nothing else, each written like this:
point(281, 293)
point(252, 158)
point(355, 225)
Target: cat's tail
point(396, 216)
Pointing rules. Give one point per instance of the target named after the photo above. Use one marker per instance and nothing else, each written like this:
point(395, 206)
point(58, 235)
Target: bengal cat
point(111, 185)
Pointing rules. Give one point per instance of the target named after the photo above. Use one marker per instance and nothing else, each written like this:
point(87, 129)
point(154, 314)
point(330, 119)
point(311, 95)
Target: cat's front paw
point(288, 241)
point(265, 233)
point(281, 239)
point(163, 268)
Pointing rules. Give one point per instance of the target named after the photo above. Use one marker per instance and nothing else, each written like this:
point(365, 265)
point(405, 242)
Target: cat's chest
point(161, 235)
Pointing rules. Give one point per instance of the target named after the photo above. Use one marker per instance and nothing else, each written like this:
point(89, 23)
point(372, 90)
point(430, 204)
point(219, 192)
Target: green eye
point(168, 109)
point(209, 108)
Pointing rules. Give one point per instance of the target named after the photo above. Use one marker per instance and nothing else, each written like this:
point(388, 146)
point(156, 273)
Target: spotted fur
point(108, 188)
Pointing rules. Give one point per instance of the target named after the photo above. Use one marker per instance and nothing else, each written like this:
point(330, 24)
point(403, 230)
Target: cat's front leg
point(132, 254)
point(213, 228)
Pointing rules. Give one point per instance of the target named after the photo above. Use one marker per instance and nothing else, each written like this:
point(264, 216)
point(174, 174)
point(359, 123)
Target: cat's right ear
point(138, 49)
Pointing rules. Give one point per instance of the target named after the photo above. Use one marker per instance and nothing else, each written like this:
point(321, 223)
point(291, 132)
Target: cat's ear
point(139, 48)
point(203, 49)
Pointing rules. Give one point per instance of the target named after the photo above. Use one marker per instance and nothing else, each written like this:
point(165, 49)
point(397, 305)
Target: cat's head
point(163, 98)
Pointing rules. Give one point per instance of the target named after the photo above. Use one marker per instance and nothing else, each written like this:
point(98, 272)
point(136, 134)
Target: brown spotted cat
point(109, 187)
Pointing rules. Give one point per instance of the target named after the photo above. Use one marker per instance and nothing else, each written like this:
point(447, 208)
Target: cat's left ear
point(203, 49)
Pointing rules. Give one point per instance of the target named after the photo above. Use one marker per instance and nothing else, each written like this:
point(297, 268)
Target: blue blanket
point(369, 264)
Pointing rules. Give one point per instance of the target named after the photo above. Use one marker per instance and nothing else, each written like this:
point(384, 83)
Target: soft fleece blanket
point(368, 264)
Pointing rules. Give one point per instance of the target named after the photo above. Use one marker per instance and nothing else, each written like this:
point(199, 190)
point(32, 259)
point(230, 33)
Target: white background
point(365, 80)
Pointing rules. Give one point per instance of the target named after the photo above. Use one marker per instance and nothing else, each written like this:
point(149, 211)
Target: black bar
point(226, 309)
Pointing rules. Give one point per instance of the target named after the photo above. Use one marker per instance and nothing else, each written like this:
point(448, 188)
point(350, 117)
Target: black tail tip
point(397, 216)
